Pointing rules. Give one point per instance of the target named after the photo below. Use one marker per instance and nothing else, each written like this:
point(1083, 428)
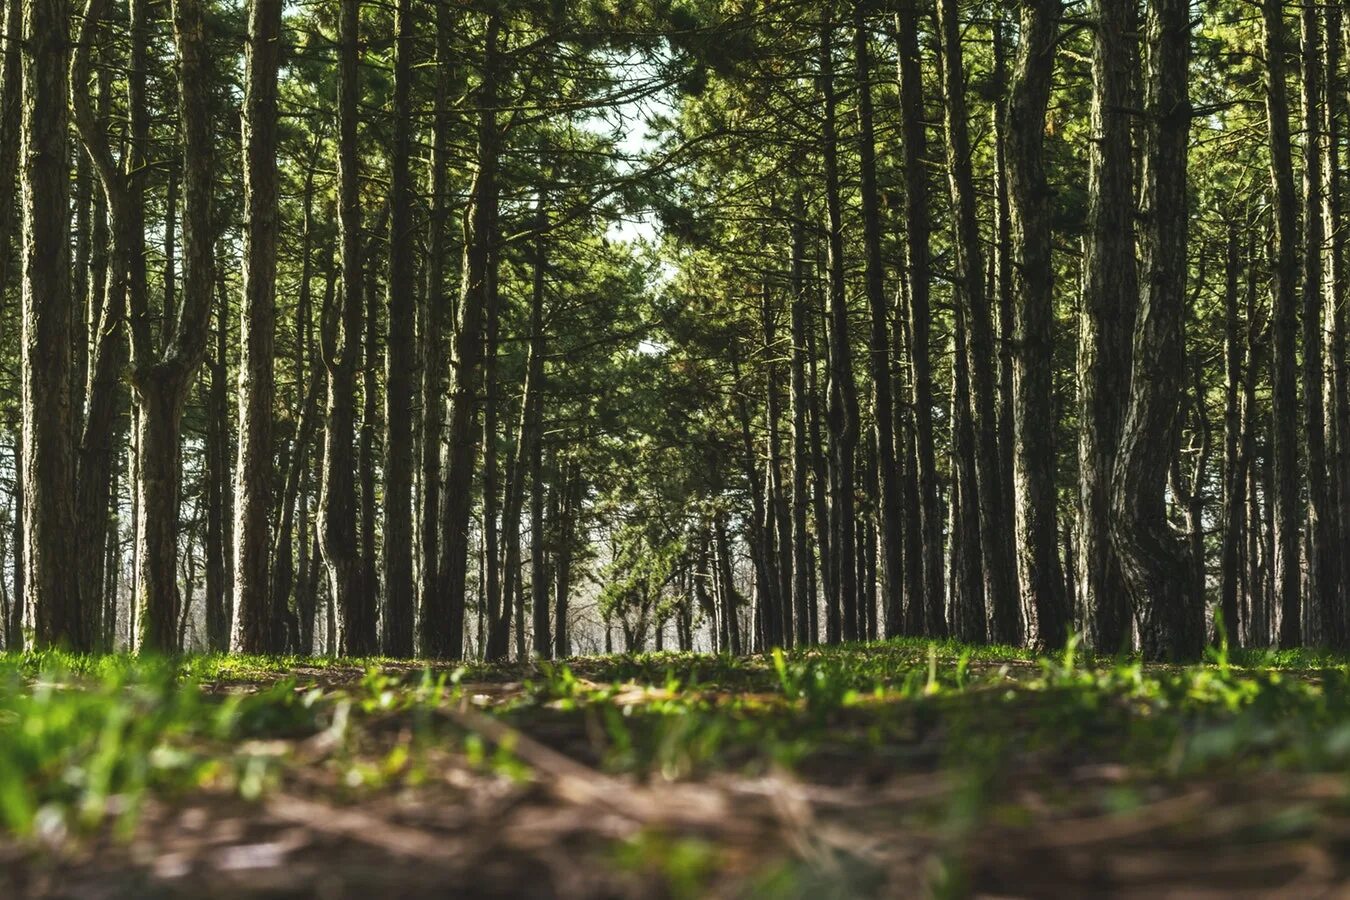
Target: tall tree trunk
point(48, 454)
point(1324, 625)
point(219, 609)
point(1234, 513)
point(1153, 559)
point(1037, 534)
point(498, 612)
point(820, 494)
point(1110, 292)
point(879, 356)
point(776, 493)
point(355, 625)
point(1003, 281)
point(435, 319)
point(1337, 392)
point(803, 578)
point(121, 190)
point(843, 403)
point(1284, 364)
point(758, 527)
point(11, 90)
point(726, 577)
point(569, 512)
point(443, 609)
point(161, 380)
point(913, 123)
point(370, 414)
point(977, 316)
point(253, 469)
point(968, 604)
point(397, 559)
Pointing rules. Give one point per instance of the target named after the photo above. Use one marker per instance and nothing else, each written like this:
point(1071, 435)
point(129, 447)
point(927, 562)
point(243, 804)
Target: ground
point(892, 769)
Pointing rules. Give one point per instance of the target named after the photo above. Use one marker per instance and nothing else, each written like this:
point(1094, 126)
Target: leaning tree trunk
point(1154, 560)
point(253, 469)
point(1038, 565)
point(1110, 292)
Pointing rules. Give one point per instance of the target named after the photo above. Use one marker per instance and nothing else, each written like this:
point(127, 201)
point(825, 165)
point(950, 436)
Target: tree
point(253, 471)
point(1039, 573)
point(1153, 560)
point(48, 455)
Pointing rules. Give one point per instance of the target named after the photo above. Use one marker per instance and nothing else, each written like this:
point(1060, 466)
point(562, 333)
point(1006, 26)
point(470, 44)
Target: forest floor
point(894, 769)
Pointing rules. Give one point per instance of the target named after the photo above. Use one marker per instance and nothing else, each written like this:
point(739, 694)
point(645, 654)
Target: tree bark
point(977, 316)
point(253, 468)
point(879, 356)
point(1153, 559)
point(1110, 292)
point(1284, 364)
point(48, 455)
point(1037, 534)
point(1335, 350)
point(1324, 615)
point(913, 124)
point(355, 626)
point(843, 403)
point(437, 315)
point(396, 557)
point(161, 380)
point(443, 609)
point(803, 578)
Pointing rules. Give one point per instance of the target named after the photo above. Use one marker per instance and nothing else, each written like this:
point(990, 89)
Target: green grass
point(85, 741)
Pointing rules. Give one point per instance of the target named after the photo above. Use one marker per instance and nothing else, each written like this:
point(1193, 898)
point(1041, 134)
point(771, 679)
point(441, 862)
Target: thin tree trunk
point(219, 609)
point(370, 415)
point(1234, 515)
point(803, 579)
